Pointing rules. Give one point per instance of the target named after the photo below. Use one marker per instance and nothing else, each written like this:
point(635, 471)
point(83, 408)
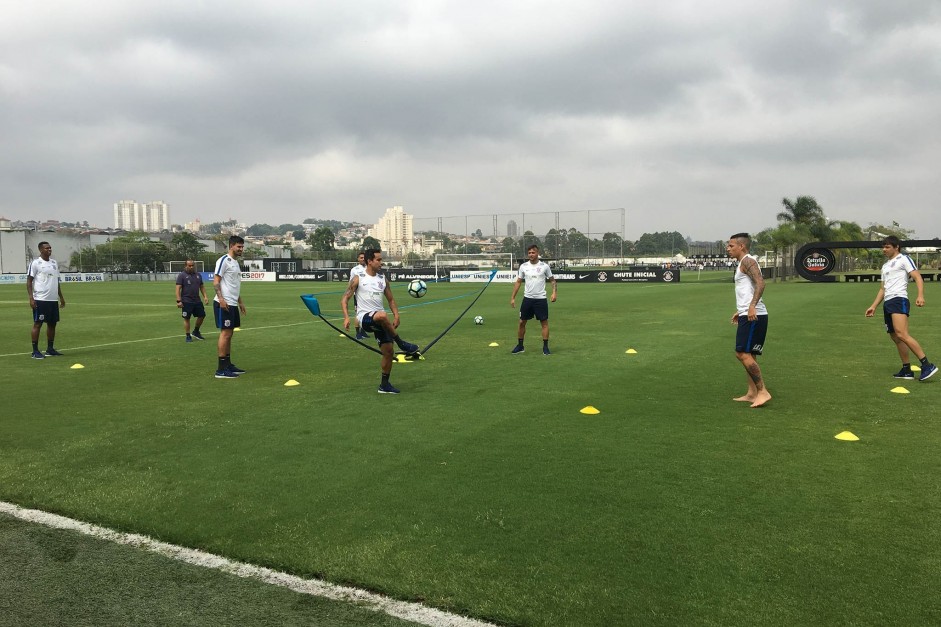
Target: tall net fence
point(570, 234)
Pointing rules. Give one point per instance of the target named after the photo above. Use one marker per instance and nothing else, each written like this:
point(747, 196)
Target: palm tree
point(802, 210)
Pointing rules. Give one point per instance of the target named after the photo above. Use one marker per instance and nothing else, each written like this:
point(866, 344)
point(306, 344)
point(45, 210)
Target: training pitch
point(482, 489)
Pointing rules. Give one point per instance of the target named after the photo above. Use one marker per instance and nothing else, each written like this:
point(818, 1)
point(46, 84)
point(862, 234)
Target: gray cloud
point(691, 117)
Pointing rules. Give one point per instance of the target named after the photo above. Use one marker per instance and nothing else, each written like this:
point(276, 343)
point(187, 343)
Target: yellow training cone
point(899, 390)
point(237, 329)
point(493, 344)
point(77, 366)
point(291, 383)
point(847, 436)
point(589, 410)
point(916, 369)
point(631, 351)
point(342, 335)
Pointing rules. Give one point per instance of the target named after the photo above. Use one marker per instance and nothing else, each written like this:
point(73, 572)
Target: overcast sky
point(692, 116)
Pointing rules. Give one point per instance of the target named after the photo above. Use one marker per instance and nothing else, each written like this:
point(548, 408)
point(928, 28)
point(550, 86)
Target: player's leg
point(34, 334)
point(385, 364)
point(756, 384)
point(186, 322)
point(903, 340)
point(381, 319)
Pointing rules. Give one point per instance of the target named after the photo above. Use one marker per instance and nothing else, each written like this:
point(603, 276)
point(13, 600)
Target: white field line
point(414, 612)
point(175, 336)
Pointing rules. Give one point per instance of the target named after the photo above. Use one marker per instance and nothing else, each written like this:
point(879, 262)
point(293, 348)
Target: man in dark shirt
point(189, 287)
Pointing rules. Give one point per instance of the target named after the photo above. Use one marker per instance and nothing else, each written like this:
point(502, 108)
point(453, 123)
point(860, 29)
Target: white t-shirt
point(745, 291)
point(230, 275)
point(895, 273)
point(369, 295)
point(357, 270)
point(535, 275)
point(45, 279)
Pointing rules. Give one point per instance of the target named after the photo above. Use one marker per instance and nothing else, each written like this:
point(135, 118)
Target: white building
point(394, 231)
point(151, 217)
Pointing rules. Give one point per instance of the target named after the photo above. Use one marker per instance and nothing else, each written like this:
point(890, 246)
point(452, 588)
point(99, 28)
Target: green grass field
point(481, 489)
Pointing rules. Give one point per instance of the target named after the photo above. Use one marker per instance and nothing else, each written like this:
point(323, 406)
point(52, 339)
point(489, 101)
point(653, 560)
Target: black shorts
point(898, 305)
point(226, 319)
point(534, 307)
point(194, 310)
point(376, 329)
point(750, 337)
point(46, 311)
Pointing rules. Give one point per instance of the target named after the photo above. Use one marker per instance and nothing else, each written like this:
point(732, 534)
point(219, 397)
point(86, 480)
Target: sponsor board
point(654, 275)
point(482, 276)
point(399, 276)
point(305, 276)
point(246, 276)
point(6, 279)
point(82, 277)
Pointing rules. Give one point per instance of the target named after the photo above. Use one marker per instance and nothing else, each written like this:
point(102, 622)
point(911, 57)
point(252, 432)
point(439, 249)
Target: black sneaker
point(38, 355)
point(904, 373)
point(387, 388)
point(198, 335)
point(927, 372)
point(518, 349)
point(235, 369)
point(53, 353)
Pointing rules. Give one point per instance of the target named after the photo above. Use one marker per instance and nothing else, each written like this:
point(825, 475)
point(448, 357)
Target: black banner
point(627, 275)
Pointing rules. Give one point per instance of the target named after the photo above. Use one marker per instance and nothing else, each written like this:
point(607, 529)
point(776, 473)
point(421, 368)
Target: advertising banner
point(8, 279)
point(82, 277)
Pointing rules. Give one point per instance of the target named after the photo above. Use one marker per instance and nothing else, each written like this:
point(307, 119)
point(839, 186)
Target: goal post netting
point(175, 267)
point(473, 261)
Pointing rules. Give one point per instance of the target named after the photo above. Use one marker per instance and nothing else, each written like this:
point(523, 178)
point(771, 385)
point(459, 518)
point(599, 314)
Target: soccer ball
point(478, 319)
point(417, 288)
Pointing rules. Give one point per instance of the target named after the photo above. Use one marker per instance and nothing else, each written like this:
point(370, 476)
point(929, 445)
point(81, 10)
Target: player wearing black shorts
point(189, 288)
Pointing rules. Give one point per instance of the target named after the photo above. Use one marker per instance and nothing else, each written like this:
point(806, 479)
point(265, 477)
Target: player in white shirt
point(751, 316)
point(895, 307)
point(227, 306)
point(534, 273)
point(45, 298)
point(359, 270)
point(370, 289)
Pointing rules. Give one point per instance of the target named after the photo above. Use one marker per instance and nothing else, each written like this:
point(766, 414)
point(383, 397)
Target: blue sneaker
point(198, 335)
point(53, 353)
point(189, 339)
point(408, 348)
point(518, 349)
point(226, 374)
point(235, 369)
point(545, 350)
point(38, 355)
point(927, 372)
point(387, 388)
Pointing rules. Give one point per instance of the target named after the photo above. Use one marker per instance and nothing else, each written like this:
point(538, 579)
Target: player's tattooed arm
point(754, 273)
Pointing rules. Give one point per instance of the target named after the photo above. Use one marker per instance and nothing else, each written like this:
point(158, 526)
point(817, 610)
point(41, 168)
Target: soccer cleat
point(387, 388)
point(904, 373)
point(545, 350)
point(235, 369)
point(198, 335)
point(189, 339)
point(517, 349)
point(927, 372)
point(38, 355)
point(53, 353)
point(226, 374)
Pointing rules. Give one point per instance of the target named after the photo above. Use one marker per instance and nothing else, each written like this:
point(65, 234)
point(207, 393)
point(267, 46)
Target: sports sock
point(223, 362)
point(35, 347)
point(49, 347)
point(187, 335)
point(385, 378)
point(924, 361)
point(519, 342)
point(545, 343)
point(906, 366)
point(196, 330)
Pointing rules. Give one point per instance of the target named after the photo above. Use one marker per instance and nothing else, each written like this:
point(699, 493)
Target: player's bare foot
point(763, 397)
point(747, 398)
